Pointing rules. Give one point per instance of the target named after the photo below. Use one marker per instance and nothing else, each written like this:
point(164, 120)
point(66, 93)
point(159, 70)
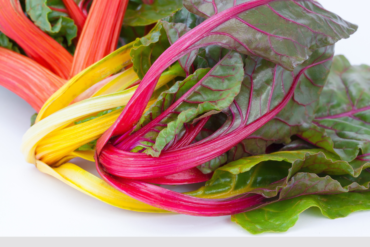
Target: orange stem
point(100, 34)
point(25, 77)
point(76, 14)
point(38, 45)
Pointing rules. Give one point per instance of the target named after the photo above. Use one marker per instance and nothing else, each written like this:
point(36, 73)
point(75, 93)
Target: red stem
point(100, 34)
point(76, 14)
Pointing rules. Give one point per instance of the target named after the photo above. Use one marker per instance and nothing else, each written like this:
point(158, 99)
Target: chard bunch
point(246, 96)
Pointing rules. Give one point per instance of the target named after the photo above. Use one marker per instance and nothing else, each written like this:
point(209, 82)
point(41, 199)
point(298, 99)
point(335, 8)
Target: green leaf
point(284, 32)
point(147, 49)
point(33, 119)
point(270, 83)
point(205, 92)
point(185, 17)
point(91, 145)
point(285, 175)
point(57, 24)
point(280, 216)
point(6, 43)
point(130, 34)
point(342, 123)
point(144, 14)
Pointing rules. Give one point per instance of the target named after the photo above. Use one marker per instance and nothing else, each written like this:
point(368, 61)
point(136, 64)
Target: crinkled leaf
point(282, 176)
point(57, 24)
point(280, 216)
point(284, 32)
point(206, 91)
point(185, 17)
point(200, 58)
point(270, 84)
point(342, 123)
point(176, 26)
point(5, 42)
point(285, 175)
point(144, 14)
point(147, 49)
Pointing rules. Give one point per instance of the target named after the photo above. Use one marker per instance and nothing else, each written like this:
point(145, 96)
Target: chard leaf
point(287, 178)
point(147, 49)
point(145, 14)
point(199, 58)
point(270, 83)
point(251, 113)
point(342, 123)
point(185, 17)
point(297, 145)
point(7, 43)
point(130, 34)
point(57, 24)
point(284, 32)
point(205, 92)
point(285, 175)
point(280, 216)
point(176, 26)
point(213, 164)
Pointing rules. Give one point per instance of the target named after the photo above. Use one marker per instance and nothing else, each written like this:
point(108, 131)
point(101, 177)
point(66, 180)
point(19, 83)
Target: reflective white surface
point(34, 204)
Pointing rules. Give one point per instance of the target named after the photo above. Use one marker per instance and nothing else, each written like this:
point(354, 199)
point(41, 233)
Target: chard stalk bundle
point(243, 96)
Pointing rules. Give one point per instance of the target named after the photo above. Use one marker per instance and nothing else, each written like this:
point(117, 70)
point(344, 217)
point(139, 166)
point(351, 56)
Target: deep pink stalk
point(190, 134)
point(136, 106)
point(345, 114)
point(190, 176)
point(136, 165)
point(180, 203)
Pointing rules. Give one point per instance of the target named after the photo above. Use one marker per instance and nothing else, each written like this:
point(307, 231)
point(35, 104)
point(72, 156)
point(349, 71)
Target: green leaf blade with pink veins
point(342, 123)
point(207, 91)
point(284, 32)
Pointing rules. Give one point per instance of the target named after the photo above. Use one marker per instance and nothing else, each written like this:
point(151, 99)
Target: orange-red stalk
point(76, 14)
point(100, 34)
point(38, 45)
point(25, 77)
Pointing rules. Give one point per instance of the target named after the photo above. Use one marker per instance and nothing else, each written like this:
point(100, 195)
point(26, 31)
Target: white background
point(34, 204)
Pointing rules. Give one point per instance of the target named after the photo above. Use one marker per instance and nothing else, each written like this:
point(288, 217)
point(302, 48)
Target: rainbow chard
point(284, 70)
point(342, 123)
point(36, 44)
point(35, 84)
point(96, 40)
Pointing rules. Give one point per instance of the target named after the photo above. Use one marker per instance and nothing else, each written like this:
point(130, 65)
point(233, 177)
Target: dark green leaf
point(130, 34)
point(147, 49)
point(342, 123)
point(6, 43)
point(284, 32)
point(144, 14)
point(270, 83)
point(206, 91)
point(287, 175)
point(57, 24)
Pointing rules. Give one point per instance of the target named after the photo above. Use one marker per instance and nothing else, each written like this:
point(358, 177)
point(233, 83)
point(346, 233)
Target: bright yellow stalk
point(109, 65)
point(52, 141)
point(120, 83)
point(91, 185)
